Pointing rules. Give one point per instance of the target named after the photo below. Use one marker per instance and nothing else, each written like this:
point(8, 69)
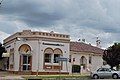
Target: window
point(55, 56)
point(69, 58)
point(101, 69)
point(48, 58)
point(50, 55)
point(73, 59)
point(108, 70)
point(24, 59)
point(90, 59)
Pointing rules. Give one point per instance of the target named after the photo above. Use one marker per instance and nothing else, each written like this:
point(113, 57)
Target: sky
point(81, 19)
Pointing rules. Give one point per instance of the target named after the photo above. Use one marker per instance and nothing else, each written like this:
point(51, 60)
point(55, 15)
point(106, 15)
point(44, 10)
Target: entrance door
point(26, 63)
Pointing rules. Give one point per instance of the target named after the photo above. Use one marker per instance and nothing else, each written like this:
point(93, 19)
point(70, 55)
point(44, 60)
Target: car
point(105, 73)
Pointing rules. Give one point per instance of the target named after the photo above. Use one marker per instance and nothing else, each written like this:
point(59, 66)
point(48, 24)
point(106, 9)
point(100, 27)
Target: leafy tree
point(2, 50)
point(112, 55)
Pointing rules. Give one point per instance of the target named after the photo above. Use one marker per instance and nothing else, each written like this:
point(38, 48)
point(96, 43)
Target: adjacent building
point(85, 55)
point(33, 52)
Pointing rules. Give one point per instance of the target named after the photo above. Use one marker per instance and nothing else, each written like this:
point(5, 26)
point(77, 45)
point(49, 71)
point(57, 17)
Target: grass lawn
point(59, 77)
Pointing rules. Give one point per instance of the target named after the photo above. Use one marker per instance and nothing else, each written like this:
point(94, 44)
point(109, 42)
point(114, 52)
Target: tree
point(112, 55)
point(2, 50)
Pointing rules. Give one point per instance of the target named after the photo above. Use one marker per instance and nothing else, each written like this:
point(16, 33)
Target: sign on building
point(61, 59)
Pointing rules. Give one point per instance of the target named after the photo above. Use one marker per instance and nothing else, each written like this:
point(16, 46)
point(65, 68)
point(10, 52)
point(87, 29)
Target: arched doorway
point(25, 62)
point(83, 62)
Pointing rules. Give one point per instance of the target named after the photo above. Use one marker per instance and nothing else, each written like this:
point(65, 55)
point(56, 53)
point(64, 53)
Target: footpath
point(7, 76)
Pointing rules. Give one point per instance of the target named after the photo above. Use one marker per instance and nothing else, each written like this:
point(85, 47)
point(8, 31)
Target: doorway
point(26, 62)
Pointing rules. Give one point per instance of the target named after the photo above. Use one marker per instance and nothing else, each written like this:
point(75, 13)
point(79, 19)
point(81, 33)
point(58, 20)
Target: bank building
point(34, 52)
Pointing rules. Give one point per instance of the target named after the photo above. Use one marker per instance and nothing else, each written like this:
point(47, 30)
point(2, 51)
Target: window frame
point(27, 64)
point(48, 58)
point(54, 59)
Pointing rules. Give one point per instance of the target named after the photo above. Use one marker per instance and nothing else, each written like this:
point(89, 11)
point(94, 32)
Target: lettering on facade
point(53, 44)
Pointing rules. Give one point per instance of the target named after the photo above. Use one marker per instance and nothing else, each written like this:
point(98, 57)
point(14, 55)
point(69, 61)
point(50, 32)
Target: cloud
point(34, 13)
point(2, 36)
point(78, 18)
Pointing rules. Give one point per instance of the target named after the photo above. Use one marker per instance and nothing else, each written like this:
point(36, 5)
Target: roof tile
point(83, 47)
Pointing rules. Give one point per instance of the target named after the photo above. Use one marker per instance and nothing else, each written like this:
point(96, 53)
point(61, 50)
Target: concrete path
point(11, 78)
point(4, 75)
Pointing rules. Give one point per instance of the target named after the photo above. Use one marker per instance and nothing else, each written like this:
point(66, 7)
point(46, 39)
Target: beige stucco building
point(33, 52)
point(86, 55)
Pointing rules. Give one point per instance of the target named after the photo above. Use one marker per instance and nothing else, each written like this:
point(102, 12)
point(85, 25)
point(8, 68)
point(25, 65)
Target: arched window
point(48, 55)
point(90, 59)
point(57, 53)
point(83, 61)
point(24, 48)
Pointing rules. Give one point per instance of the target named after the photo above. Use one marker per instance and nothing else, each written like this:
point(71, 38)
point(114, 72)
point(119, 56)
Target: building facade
point(33, 52)
point(37, 53)
point(86, 57)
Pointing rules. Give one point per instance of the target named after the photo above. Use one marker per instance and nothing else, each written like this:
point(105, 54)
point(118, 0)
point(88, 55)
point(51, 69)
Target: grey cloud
point(7, 27)
point(32, 13)
point(79, 18)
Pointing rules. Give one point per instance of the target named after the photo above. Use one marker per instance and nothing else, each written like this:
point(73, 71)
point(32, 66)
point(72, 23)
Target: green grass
point(59, 77)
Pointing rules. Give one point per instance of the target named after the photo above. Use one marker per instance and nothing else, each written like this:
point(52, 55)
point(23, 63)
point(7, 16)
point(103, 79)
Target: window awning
point(6, 55)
